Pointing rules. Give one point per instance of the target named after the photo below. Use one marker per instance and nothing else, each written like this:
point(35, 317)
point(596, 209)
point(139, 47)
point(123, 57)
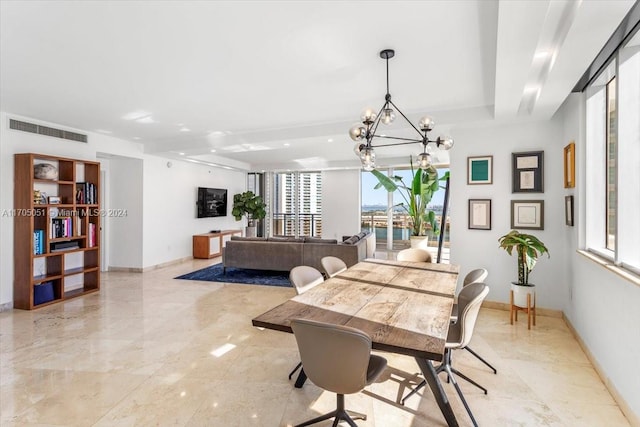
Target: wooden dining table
point(405, 308)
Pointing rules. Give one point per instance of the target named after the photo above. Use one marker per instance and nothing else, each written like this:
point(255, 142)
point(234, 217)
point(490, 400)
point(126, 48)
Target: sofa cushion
point(309, 239)
point(249, 239)
point(285, 239)
point(351, 240)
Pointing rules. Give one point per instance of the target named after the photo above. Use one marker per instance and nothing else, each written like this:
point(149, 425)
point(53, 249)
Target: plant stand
point(530, 309)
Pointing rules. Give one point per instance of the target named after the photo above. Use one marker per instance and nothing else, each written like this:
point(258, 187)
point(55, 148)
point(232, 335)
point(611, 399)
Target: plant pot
point(250, 231)
point(420, 242)
point(520, 293)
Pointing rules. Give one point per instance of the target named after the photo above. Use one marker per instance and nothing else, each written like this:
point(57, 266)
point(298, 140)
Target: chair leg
point(318, 419)
point(481, 359)
point(459, 391)
point(340, 414)
point(469, 380)
point(298, 366)
point(414, 391)
point(302, 377)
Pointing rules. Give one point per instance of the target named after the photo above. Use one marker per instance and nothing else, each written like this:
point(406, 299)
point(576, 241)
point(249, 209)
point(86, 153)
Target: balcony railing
point(284, 224)
point(377, 222)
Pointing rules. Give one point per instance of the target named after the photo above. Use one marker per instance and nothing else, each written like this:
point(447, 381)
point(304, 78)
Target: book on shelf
point(86, 193)
point(92, 235)
point(38, 242)
point(60, 227)
point(64, 246)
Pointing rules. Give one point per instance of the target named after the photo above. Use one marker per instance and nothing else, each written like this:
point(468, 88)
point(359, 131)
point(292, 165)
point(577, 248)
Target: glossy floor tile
point(151, 350)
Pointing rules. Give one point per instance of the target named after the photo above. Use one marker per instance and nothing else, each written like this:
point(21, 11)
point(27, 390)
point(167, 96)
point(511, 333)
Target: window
point(612, 224)
point(392, 227)
point(297, 204)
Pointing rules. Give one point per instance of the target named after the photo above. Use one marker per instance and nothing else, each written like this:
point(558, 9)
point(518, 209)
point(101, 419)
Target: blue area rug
point(240, 275)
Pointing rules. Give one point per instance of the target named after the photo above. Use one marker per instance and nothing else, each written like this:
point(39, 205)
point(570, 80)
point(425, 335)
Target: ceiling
point(274, 85)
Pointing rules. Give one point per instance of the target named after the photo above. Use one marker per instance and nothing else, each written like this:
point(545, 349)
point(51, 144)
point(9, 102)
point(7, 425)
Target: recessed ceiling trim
point(627, 28)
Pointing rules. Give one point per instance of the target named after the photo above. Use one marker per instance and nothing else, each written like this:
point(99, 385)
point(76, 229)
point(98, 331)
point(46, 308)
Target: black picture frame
point(568, 210)
point(528, 172)
point(527, 214)
point(479, 214)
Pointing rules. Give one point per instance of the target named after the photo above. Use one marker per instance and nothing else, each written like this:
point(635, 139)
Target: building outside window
point(297, 204)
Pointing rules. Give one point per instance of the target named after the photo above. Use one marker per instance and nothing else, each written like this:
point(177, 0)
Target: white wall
point(125, 212)
point(169, 205)
point(160, 200)
point(601, 306)
point(479, 248)
point(340, 203)
point(12, 142)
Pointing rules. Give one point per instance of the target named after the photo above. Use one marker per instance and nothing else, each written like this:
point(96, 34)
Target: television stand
point(209, 245)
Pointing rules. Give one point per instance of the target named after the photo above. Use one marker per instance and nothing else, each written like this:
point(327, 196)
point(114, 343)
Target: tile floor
point(150, 350)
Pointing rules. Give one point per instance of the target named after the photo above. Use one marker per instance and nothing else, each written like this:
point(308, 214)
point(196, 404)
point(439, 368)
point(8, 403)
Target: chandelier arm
point(376, 122)
point(408, 121)
point(408, 140)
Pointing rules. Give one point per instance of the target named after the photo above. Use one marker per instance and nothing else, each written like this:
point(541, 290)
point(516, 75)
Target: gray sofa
point(284, 253)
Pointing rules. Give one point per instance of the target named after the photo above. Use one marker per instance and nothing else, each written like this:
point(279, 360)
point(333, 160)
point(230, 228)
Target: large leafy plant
point(527, 248)
point(248, 204)
point(417, 195)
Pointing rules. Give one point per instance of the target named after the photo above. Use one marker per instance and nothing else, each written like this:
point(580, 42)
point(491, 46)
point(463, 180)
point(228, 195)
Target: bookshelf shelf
point(42, 231)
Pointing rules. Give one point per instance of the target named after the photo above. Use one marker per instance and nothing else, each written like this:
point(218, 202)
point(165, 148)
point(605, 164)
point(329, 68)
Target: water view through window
point(375, 213)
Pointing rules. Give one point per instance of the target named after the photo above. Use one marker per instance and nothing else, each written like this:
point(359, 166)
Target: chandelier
point(365, 132)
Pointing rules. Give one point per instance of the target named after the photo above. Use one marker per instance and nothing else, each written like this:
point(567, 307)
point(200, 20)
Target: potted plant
point(527, 249)
point(417, 195)
point(252, 206)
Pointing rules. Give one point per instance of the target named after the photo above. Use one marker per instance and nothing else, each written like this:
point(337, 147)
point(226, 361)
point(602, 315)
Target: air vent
point(45, 130)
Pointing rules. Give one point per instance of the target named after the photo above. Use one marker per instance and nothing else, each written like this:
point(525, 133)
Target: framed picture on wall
point(527, 214)
point(568, 210)
point(570, 165)
point(479, 214)
point(528, 172)
point(480, 170)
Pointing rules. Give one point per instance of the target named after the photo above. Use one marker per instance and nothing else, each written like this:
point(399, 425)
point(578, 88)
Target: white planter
point(250, 232)
point(420, 242)
point(520, 294)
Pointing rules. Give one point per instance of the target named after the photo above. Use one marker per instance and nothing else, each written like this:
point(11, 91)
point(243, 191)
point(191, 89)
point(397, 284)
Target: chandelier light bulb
point(368, 158)
point(424, 161)
point(426, 123)
point(357, 148)
point(388, 116)
point(357, 132)
point(368, 116)
point(445, 142)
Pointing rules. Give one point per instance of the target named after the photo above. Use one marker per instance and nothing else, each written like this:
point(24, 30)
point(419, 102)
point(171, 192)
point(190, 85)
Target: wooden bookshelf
point(67, 272)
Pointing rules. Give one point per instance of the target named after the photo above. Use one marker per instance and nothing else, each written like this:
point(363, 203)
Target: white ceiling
point(246, 78)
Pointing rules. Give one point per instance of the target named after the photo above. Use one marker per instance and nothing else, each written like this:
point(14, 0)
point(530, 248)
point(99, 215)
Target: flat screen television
point(211, 202)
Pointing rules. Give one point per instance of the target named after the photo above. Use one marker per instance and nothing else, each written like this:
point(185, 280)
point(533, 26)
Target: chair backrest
point(333, 265)
point(304, 278)
point(469, 301)
point(335, 357)
point(479, 275)
point(414, 254)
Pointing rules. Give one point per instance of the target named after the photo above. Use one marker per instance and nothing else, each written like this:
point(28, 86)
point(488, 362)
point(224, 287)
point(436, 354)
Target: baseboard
point(151, 267)
point(6, 306)
point(167, 264)
point(125, 269)
point(633, 419)
point(539, 311)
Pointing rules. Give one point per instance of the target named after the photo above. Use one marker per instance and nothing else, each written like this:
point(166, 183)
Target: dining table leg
point(432, 379)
